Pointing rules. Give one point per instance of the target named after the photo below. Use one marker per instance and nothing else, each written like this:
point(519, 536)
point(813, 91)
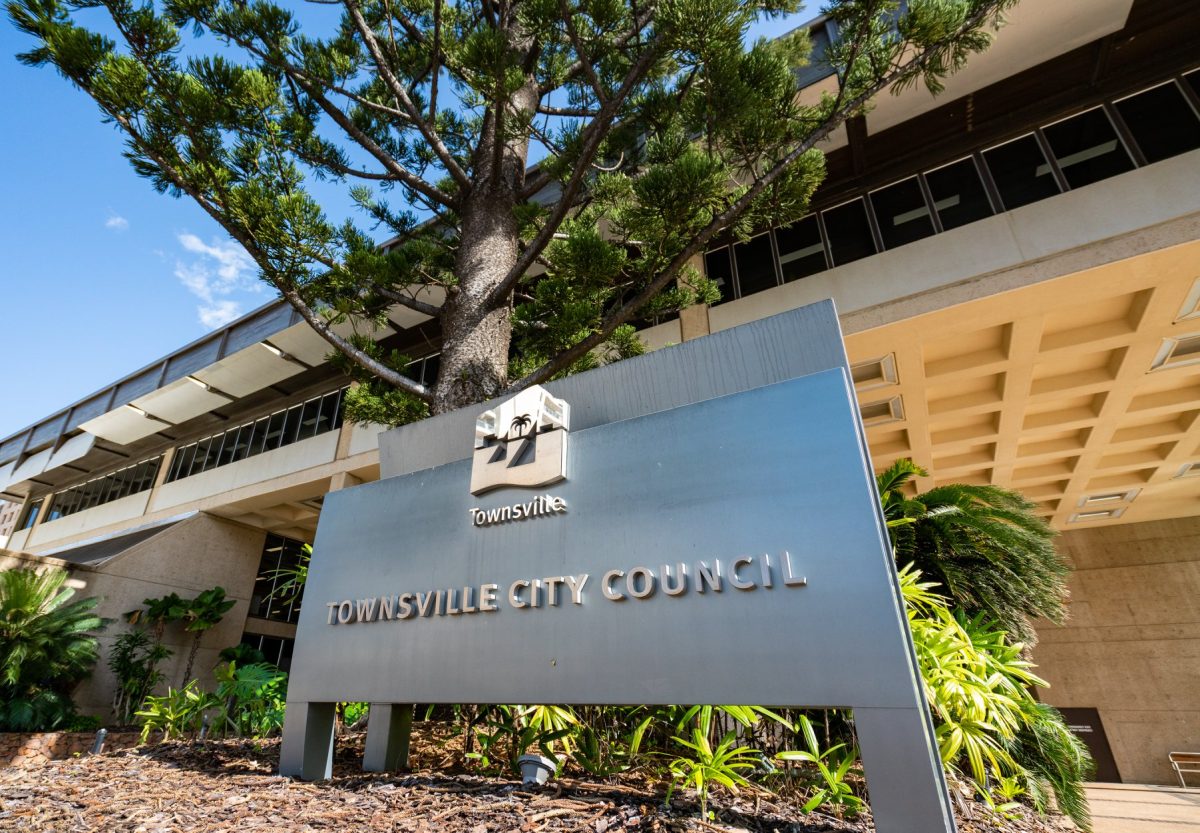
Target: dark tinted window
point(274, 436)
point(268, 599)
point(1192, 79)
point(958, 194)
point(308, 418)
point(801, 252)
point(291, 425)
point(1021, 172)
point(1087, 148)
point(901, 213)
point(1162, 122)
point(849, 232)
point(755, 265)
point(719, 270)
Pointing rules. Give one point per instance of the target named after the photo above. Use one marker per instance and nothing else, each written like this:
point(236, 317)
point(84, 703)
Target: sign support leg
point(907, 793)
point(307, 749)
point(389, 728)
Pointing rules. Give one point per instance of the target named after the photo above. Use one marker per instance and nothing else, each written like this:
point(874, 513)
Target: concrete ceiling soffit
point(1035, 33)
point(124, 425)
point(250, 370)
point(180, 401)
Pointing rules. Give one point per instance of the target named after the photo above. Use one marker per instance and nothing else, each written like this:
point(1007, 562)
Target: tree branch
point(627, 310)
point(409, 301)
point(426, 129)
point(593, 136)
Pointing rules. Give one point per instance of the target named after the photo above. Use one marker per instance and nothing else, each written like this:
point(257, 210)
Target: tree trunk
point(187, 671)
point(476, 336)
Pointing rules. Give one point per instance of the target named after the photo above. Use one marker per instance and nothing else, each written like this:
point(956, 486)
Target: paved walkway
point(1137, 808)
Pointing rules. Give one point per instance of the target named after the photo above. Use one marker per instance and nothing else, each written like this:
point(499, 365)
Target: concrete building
point(8, 520)
point(1017, 268)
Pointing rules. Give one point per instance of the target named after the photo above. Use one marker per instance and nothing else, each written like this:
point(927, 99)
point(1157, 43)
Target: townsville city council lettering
point(746, 573)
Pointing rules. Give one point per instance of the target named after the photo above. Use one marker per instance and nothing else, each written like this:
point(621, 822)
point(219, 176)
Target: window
point(121, 483)
point(849, 232)
point(268, 601)
point(755, 265)
point(801, 252)
point(958, 194)
point(719, 270)
point(276, 650)
point(901, 212)
point(1162, 122)
point(31, 514)
point(1021, 172)
point(308, 419)
point(1087, 148)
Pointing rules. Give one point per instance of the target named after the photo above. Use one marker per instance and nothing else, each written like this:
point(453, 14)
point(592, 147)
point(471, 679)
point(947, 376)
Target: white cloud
point(218, 270)
point(219, 314)
point(116, 222)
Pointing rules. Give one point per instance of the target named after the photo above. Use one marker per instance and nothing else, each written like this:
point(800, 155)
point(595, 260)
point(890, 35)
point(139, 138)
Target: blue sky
point(99, 274)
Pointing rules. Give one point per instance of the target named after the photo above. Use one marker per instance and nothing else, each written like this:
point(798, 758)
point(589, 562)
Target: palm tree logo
point(519, 425)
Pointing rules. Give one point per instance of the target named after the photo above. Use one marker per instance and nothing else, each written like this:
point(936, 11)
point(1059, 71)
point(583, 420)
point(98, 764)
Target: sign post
point(705, 529)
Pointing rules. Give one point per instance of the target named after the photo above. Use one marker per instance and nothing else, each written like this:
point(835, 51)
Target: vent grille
point(883, 411)
point(1177, 352)
point(1189, 470)
point(1096, 515)
point(1106, 499)
point(874, 373)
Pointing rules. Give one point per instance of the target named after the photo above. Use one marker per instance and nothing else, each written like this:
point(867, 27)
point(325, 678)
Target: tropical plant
point(253, 698)
point(1056, 762)
point(201, 614)
point(134, 659)
point(242, 654)
point(158, 613)
point(834, 765)
point(983, 544)
point(723, 764)
point(987, 722)
point(291, 578)
point(46, 646)
point(177, 713)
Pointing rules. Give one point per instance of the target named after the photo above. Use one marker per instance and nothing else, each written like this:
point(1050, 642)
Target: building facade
point(1016, 264)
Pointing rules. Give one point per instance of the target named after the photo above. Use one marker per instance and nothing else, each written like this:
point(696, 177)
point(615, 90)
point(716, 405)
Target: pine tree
point(653, 127)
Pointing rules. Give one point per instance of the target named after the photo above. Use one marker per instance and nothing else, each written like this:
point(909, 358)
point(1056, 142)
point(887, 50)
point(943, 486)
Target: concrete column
point(693, 322)
point(389, 728)
point(907, 794)
point(307, 749)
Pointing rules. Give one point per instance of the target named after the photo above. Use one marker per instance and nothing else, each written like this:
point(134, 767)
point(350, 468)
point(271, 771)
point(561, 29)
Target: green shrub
point(134, 659)
point(177, 713)
point(46, 647)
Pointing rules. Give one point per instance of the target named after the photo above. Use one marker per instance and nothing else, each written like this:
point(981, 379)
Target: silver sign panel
point(729, 550)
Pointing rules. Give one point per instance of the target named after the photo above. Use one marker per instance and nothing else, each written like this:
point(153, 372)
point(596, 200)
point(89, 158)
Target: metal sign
point(725, 550)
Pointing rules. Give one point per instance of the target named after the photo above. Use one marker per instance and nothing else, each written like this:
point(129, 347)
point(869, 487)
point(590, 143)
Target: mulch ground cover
point(230, 785)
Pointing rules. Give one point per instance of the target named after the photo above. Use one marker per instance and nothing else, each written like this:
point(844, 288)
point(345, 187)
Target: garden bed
point(226, 785)
point(23, 749)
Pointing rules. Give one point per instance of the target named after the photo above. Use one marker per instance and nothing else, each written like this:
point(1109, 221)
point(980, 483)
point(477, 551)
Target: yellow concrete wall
point(189, 557)
point(1132, 645)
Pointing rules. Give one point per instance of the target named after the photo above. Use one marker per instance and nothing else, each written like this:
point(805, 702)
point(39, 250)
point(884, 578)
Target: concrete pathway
point(1139, 808)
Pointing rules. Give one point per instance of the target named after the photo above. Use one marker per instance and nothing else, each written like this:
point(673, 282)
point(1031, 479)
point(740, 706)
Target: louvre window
point(755, 265)
point(901, 212)
point(299, 422)
point(958, 194)
point(849, 232)
point(1162, 121)
point(801, 252)
point(720, 271)
point(1087, 148)
point(1021, 172)
point(121, 483)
